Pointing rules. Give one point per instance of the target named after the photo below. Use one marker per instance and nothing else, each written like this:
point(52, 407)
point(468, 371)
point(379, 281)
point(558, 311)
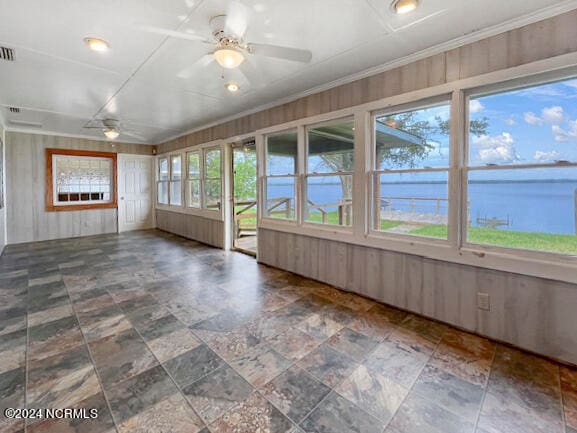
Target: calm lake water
point(547, 207)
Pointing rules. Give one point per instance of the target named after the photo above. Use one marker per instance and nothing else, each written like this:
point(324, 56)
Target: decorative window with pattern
point(78, 179)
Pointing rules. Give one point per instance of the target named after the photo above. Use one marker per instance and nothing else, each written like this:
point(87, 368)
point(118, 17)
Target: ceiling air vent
point(15, 110)
point(6, 54)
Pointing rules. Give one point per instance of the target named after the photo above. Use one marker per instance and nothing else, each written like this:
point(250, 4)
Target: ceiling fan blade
point(203, 62)
point(174, 34)
point(133, 135)
point(236, 19)
point(293, 54)
point(251, 73)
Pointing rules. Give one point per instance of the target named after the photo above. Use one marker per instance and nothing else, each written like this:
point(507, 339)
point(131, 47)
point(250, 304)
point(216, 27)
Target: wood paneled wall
point(205, 230)
point(542, 40)
point(528, 312)
point(26, 217)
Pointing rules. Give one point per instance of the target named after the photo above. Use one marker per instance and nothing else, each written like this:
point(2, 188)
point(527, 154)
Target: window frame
point(171, 180)
point(494, 89)
point(375, 172)
point(304, 204)
point(295, 176)
point(214, 214)
point(159, 181)
point(50, 179)
point(205, 178)
point(189, 179)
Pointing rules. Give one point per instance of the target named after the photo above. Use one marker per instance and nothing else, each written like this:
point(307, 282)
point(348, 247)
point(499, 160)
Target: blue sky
point(533, 125)
point(526, 126)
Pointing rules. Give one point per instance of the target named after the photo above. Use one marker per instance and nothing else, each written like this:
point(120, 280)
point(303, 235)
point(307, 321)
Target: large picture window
point(522, 168)
point(410, 182)
point(280, 179)
point(77, 179)
point(329, 173)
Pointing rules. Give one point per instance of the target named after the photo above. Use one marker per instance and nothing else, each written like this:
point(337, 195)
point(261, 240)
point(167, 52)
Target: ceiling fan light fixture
point(232, 86)
point(404, 6)
point(229, 58)
point(111, 133)
point(97, 44)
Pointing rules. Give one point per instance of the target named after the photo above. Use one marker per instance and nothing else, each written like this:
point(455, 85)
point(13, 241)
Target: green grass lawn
point(566, 244)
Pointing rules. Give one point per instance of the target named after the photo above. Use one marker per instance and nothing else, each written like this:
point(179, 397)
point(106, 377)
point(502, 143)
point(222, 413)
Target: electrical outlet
point(483, 301)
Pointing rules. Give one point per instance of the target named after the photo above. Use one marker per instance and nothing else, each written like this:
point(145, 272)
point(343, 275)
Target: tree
point(245, 174)
point(402, 156)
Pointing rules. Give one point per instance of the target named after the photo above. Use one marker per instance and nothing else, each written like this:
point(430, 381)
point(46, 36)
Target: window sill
point(72, 207)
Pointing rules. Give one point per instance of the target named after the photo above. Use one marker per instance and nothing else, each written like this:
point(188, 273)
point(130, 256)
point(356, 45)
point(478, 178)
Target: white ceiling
point(61, 85)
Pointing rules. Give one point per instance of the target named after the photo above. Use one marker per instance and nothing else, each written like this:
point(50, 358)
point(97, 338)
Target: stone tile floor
point(165, 335)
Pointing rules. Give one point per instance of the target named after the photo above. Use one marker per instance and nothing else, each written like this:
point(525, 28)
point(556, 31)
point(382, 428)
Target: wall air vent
point(15, 110)
point(7, 54)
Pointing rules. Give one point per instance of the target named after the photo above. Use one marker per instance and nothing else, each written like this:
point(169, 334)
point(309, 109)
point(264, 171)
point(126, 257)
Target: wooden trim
point(49, 181)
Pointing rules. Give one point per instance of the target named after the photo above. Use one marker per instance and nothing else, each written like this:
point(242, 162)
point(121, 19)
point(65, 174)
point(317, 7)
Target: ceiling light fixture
point(404, 6)
point(111, 133)
point(232, 86)
point(97, 44)
point(229, 58)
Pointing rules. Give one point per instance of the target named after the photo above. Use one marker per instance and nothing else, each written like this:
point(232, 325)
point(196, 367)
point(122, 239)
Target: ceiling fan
point(112, 130)
point(229, 46)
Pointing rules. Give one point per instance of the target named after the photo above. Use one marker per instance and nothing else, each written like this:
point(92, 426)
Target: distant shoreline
point(436, 182)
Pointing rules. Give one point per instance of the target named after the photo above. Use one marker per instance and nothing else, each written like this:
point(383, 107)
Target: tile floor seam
point(181, 392)
point(97, 373)
point(334, 389)
point(226, 363)
point(410, 388)
point(562, 395)
point(486, 389)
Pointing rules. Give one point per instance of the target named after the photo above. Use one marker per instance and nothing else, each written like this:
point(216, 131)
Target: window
point(162, 184)
point(522, 168)
point(80, 180)
point(280, 179)
point(329, 173)
point(212, 181)
point(175, 180)
point(411, 152)
point(193, 180)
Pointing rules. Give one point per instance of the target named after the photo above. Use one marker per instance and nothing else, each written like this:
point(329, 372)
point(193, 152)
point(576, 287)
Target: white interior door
point(135, 199)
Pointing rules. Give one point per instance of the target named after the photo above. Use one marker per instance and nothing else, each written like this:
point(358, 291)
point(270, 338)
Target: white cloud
point(553, 114)
point(565, 134)
point(475, 106)
point(497, 149)
point(510, 121)
point(532, 119)
point(546, 156)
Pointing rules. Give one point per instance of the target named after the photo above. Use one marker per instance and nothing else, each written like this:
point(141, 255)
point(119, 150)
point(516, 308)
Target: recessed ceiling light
point(232, 86)
point(97, 44)
point(229, 58)
point(404, 6)
point(111, 133)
